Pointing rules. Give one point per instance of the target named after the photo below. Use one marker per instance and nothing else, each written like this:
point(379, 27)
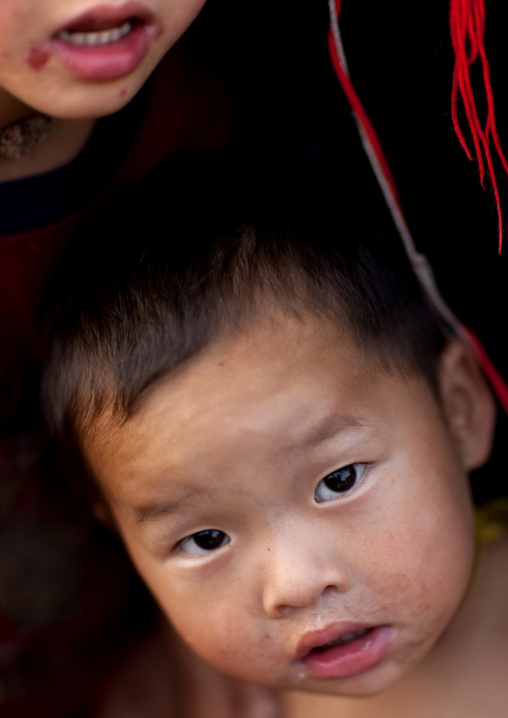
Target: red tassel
point(467, 27)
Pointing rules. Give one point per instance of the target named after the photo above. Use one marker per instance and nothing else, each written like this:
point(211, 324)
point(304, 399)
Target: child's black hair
point(149, 293)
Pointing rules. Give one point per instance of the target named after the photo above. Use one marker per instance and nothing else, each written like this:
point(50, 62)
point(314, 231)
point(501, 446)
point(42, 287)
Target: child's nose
point(297, 576)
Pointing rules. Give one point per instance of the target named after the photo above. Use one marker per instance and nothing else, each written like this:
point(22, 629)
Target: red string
point(467, 28)
point(362, 116)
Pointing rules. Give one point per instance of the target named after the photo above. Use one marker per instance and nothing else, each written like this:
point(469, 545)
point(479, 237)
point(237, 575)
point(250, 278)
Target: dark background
point(290, 113)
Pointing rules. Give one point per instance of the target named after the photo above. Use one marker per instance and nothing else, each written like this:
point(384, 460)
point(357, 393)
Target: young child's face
point(302, 519)
point(85, 58)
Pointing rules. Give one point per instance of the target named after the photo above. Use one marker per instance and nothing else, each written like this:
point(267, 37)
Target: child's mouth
point(342, 640)
point(349, 654)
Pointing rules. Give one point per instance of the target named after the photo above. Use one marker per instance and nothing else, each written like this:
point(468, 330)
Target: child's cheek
point(223, 630)
point(426, 567)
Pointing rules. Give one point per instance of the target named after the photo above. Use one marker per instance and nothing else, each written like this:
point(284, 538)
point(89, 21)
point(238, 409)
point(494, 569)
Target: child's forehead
point(289, 385)
point(263, 353)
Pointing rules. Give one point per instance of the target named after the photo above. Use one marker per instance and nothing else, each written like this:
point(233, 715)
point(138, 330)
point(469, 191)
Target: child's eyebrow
point(330, 427)
point(150, 512)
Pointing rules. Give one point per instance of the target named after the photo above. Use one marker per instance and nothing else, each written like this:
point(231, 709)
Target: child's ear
point(468, 404)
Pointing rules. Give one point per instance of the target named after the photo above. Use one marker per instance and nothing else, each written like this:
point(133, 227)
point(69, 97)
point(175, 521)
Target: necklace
point(20, 138)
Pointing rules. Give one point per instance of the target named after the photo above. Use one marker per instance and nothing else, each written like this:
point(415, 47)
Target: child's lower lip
point(109, 61)
point(349, 659)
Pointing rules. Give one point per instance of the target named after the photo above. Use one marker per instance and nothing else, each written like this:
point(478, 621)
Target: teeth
point(94, 39)
point(345, 638)
point(351, 636)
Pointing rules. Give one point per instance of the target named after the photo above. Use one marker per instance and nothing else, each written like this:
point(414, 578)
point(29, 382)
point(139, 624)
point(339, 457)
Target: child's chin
point(365, 685)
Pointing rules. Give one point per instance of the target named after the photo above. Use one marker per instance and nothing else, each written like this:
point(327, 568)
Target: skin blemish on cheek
point(123, 92)
point(38, 57)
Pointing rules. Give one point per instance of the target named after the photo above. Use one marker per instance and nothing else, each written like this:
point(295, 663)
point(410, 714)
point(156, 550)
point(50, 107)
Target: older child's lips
point(103, 17)
point(346, 651)
point(106, 43)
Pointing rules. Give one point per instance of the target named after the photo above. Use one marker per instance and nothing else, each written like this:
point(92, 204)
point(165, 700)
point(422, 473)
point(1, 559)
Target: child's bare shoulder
point(491, 606)
point(141, 684)
point(495, 557)
point(161, 678)
point(481, 637)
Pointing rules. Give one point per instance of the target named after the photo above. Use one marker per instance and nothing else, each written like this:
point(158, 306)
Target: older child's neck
point(11, 109)
point(67, 139)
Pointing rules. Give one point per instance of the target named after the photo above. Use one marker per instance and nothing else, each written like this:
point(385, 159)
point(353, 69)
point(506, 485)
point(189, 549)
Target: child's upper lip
point(104, 17)
point(332, 632)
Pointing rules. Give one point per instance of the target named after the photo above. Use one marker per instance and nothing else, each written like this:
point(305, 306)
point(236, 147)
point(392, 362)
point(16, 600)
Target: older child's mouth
point(93, 38)
point(105, 43)
point(350, 654)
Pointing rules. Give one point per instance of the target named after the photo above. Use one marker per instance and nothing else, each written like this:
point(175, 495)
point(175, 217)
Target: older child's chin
point(100, 105)
point(91, 101)
point(59, 94)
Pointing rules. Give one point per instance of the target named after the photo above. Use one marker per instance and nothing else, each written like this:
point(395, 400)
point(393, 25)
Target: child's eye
point(338, 482)
point(204, 541)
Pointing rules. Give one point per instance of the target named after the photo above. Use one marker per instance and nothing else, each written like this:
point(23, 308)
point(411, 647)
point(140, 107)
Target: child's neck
point(463, 674)
point(64, 144)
